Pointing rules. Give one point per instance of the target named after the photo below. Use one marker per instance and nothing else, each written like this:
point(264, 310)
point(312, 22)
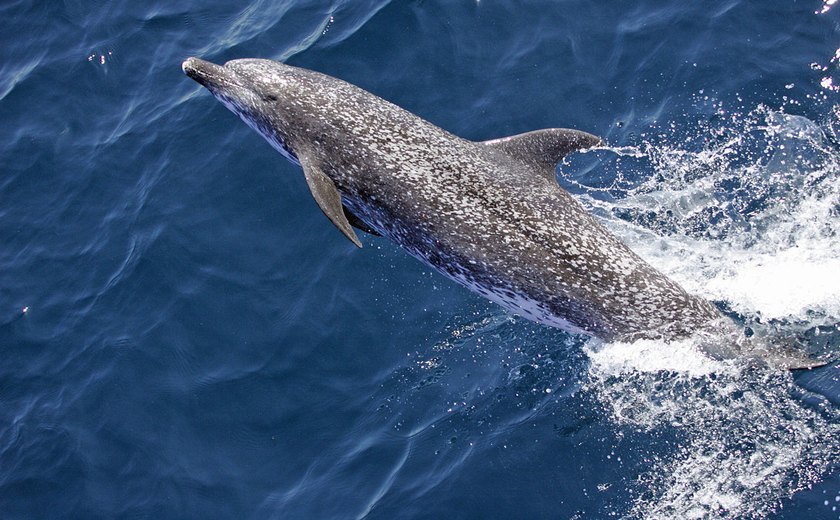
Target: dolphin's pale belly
point(519, 303)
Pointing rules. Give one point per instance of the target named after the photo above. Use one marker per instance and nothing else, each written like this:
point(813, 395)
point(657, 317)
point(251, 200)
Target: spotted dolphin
point(489, 215)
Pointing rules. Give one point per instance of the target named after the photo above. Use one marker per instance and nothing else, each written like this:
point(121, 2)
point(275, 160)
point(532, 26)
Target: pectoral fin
point(326, 195)
point(358, 223)
point(544, 148)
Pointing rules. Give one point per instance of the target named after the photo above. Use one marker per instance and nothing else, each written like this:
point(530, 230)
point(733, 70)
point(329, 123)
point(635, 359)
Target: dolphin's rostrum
point(489, 215)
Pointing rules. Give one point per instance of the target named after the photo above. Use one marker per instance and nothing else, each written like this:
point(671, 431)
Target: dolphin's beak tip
point(204, 72)
point(188, 65)
point(215, 78)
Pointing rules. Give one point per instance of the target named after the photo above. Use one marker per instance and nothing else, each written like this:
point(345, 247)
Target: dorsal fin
point(326, 195)
point(544, 148)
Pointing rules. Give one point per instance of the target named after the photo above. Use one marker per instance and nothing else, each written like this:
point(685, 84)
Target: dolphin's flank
point(489, 215)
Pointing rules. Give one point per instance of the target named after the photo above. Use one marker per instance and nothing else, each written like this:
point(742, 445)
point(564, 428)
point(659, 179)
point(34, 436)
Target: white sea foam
point(651, 356)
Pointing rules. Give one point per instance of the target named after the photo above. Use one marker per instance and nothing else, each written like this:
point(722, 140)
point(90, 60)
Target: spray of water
point(745, 211)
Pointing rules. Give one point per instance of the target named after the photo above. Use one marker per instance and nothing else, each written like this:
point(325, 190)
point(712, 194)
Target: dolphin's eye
point(270, 97)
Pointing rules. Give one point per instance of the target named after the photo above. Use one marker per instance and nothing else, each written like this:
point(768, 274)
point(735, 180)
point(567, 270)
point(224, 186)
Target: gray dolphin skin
point(489, 215)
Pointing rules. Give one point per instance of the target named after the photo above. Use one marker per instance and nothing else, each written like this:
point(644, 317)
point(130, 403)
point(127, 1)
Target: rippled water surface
point(184, 335)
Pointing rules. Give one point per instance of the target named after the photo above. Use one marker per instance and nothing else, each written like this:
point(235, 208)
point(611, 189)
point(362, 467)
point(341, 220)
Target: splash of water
point(744, 440)
point(745, 212)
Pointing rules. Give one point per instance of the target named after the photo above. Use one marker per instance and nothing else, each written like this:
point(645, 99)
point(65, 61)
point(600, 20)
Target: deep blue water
point(184, 335)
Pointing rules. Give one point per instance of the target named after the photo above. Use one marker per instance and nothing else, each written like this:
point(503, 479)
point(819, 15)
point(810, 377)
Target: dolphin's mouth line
point(210, 75)
point(236, 92)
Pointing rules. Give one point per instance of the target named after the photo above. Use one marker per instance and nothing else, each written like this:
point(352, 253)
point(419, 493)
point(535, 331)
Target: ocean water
point(184, 335)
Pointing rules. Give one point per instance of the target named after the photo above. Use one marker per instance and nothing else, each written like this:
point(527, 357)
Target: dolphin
point(489, 215)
